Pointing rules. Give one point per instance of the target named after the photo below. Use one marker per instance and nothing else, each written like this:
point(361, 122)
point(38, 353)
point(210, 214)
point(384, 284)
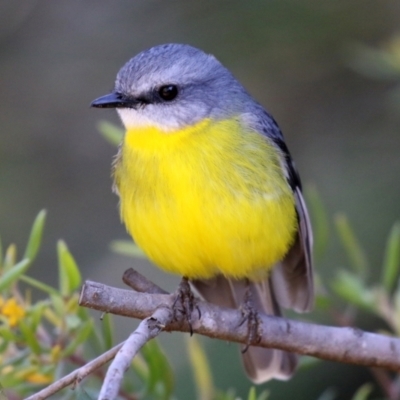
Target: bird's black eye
point(168, 92)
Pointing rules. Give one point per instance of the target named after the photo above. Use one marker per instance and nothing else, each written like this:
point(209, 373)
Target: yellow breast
point(206, 200)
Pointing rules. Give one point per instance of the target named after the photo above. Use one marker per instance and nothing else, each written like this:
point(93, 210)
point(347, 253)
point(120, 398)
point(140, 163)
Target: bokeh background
point(298, 58)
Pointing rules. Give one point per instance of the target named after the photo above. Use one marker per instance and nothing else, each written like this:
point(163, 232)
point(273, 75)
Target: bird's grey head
point(173, 85)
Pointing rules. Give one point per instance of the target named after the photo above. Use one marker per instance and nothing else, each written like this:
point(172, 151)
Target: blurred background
point(304, 61)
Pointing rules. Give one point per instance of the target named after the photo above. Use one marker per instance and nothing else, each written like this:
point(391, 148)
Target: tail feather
point(260, 364)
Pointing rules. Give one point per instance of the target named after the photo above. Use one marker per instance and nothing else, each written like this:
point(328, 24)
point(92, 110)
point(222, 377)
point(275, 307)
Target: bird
point(209, 191)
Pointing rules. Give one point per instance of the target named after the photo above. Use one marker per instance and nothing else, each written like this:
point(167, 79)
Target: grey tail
point(260, 364)
point(290, 285)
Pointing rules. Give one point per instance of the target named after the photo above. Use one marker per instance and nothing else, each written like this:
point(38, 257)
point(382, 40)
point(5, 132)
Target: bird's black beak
point(114, 100)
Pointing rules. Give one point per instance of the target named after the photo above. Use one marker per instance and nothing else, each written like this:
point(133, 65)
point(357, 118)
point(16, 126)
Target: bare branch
point(147, 330)
point(140, 283)
point(347, 345)
point(342, 344)
point(76, 376)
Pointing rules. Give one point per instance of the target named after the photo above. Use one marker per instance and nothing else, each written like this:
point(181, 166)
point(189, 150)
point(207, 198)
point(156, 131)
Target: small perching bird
point(209, 190)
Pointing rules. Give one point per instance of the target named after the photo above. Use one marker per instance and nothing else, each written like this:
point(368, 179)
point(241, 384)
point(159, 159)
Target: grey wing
point(290, 284)
point(292, 278)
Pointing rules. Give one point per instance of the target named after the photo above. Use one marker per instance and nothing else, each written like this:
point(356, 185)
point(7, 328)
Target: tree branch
point(148, 329)
point(152, 304)
point(349, 345)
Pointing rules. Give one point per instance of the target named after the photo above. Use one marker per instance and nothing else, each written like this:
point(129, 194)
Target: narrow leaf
point(36, 313)
point(160, 380)
point(11, 275)
point(110, 132)
point(38, 285)
point(69, 275)
point(202, 372)
point(264, 395)
point(10, 258)
point(6, 334)
point(363, 392)
point(108, 332)
point(252, 394)
point(391, 262)
point(355, 254)
point(58, 305)
point(141, 368)
point(29, 335)
point(127, 248)
point(35, 237)
point(81, 336)
point(350, 288)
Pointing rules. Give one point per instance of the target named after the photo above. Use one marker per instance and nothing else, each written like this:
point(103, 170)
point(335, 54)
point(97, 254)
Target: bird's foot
point(185, 303)
point(250, 315)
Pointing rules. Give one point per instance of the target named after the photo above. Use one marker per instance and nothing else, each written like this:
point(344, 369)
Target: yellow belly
point(206, 200)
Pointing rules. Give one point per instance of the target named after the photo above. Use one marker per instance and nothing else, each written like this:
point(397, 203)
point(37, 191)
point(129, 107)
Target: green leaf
point(7, 334)
point(363, 392)
point(252, 394)
point(69, 275)
point(323, 302)
point(108, 331)
point(201, 369)
point(35, 237)
point(58, 304)
point(11, 275)
point(72, 321)
point(376, 63)
point(141, 368)
point(127, 248)
point(38, 285)
point(82, 334)
point(319, 219)
point(355, 254)
point(308, 362)
point(160, 380)
point(229, 395)
point(263, 395)
point(351, 289)
point(36, 313)
point(391, 261)
point(10, 258)
point(110, 132)
point(29, 334)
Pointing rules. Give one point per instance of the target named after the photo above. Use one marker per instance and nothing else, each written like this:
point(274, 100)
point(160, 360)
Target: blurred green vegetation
point(327, 71)
point(40, 341)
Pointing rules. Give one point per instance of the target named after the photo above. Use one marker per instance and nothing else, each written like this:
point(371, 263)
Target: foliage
point(43, 339)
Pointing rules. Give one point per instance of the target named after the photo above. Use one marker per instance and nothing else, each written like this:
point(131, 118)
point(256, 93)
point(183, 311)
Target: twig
point(140, 283)
point(76, 376)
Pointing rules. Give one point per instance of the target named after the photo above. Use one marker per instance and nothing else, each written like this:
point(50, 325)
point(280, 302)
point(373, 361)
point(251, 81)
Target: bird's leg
point(187, 301)
point(250, 315)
